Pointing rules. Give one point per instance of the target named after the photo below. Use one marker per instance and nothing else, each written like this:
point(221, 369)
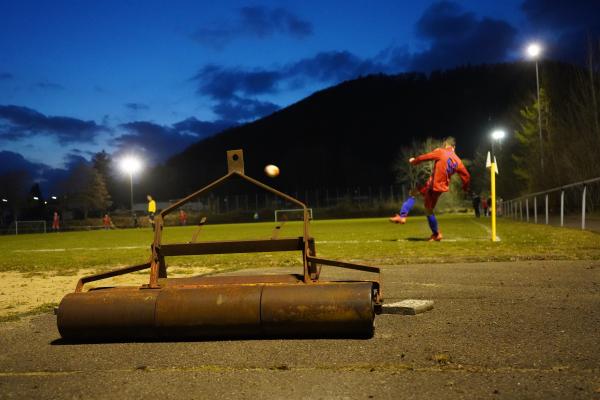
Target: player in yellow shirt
point(151, 210)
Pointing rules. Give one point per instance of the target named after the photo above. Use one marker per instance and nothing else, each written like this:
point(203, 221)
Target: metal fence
point(356, 197)
point(573, 205)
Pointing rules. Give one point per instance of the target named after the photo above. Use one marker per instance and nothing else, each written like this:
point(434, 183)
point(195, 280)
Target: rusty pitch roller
point(294, 305)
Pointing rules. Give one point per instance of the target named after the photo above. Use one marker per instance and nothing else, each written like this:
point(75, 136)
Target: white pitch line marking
point(58, 250)
point(487, 229)
point(456, 239)
point(80, 248)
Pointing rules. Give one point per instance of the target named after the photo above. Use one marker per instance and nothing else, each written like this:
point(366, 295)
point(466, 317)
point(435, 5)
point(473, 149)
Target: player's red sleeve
point(461, 170)
point(433, 155)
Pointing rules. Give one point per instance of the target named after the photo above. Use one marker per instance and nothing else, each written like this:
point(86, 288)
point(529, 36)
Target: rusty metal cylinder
point(212, 311)
point(326, 309)
point(276, 310)
point(107, 314)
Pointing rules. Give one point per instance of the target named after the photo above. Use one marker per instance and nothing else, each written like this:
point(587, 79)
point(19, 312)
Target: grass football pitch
point(371, 241)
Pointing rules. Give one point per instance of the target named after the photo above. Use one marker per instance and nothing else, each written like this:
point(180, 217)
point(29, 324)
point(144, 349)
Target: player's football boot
point(436, 237)
point(398, 219)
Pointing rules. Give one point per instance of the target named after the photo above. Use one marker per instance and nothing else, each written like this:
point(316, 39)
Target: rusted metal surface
point(329, 309)
point(184, 309)
point(107, 313)
point(233, 246)
point(230, 280)
point(109, 274)
point(235, 161)
point(272, 305)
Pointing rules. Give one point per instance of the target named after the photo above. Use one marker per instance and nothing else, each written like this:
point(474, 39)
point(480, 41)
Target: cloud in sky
point(11, 162)
point(568, 25)
point(256, 21)
point(333, 66)
point(235, 89)
point(456, 37)
point(49, 86)
point(136, 106)
point(560, 14)
point(158, 142)
point(155, 142)
point(264, 21)
point(244, 109)
point(201, 128)
point(18, 122)
point(73, 159)
point(220, 82)
point(223, 83)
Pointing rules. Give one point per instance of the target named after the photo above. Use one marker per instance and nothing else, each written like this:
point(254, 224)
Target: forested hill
point(350, 134)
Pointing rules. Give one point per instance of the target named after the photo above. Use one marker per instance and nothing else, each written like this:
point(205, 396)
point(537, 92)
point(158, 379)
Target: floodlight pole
point(539, 110)
point(131, 190)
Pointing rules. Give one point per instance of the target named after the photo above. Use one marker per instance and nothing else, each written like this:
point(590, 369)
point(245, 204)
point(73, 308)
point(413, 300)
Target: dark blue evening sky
point(153, 77)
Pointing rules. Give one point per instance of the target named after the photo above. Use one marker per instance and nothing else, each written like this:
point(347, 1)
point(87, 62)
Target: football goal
point(29, 227)
point(295, 214)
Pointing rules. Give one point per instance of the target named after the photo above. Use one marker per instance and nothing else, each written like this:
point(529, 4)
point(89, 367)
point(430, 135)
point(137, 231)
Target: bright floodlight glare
point(53, 197)
point(4, 201)
point(131, 165)
point(35, 198)
point(534, 50)
point(498, 134)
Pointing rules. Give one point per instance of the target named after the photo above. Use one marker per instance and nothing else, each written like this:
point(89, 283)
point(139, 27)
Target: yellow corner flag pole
point(493, 179)
point(492, 165)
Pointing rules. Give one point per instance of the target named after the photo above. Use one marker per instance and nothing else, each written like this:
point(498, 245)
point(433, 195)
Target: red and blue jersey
point(446, 164)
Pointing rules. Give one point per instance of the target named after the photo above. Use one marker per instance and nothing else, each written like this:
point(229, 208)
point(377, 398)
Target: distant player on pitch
point(151, 210)
point(446, 163)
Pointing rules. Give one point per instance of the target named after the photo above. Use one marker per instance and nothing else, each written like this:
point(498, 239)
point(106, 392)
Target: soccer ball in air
point(272, 170)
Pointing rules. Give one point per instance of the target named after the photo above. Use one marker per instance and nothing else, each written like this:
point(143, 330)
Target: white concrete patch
point(408, 307)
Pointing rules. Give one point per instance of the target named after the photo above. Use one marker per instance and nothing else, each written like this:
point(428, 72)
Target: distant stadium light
point(4, 201)
point(534, 50)
point(131, 165)
point(35, 198)
point(45, 202)
point(498, 134)
point(53, 197)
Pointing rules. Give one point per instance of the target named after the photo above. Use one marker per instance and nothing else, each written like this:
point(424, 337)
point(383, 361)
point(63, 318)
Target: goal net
point(296, 214)
point(29, 227)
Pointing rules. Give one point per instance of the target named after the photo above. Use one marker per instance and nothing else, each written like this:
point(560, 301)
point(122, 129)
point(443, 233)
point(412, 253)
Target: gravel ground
point(498, 330)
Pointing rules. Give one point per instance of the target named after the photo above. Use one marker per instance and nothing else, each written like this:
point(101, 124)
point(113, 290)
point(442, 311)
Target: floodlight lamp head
point(534, 50)
point(131, 165)
point(498, 134)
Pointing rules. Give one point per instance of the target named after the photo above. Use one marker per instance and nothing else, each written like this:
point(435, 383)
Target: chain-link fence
point(326, 202)
point(246, 206)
